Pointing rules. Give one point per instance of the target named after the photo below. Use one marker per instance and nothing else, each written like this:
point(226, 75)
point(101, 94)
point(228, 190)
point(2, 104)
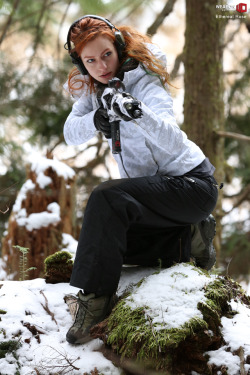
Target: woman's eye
point(90, 61)
point(108, 53)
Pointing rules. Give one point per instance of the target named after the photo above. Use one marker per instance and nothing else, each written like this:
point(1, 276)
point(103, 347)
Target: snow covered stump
point(172, 321)
point(43, 211)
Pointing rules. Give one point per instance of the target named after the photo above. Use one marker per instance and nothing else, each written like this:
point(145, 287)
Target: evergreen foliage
point(24, 271)
point(8, 346)
point(11, 347)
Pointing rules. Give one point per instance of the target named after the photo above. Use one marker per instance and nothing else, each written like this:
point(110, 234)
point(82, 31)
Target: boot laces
point(81, 311)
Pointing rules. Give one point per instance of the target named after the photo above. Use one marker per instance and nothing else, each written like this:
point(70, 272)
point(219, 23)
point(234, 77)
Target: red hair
point(88, 29)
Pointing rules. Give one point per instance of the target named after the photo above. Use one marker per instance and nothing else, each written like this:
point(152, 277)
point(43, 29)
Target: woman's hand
point(101, 122)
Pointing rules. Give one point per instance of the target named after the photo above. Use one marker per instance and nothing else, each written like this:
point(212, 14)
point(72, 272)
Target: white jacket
point(155, 144)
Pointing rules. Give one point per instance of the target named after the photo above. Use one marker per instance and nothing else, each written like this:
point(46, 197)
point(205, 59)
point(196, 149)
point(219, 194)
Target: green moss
point(58, 260)
point(221, 291)
point(210, 314)
point(9, 347)
point(178, 274)
point(132, 333)
point(140, 282)
point(218, 295)
point(218, 292)
point(3, 312)
point(3, 332)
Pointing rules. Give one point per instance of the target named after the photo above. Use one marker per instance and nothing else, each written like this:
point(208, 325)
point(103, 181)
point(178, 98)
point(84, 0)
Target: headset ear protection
point(76, 60)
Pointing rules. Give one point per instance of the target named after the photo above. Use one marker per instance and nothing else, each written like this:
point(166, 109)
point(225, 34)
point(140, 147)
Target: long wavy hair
point(88, 29)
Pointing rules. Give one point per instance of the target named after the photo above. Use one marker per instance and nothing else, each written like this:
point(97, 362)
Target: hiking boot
point(202, 249)
point(91, 310)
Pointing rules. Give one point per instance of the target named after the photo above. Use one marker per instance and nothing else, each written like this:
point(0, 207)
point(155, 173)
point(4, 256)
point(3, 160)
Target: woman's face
point(100, 58)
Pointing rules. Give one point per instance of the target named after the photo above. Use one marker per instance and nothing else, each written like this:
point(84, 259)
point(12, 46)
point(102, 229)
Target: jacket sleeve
point(158, 123)
point(79, 126)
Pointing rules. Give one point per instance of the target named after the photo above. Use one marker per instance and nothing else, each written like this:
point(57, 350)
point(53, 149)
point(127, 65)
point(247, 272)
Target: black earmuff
point(76, 60)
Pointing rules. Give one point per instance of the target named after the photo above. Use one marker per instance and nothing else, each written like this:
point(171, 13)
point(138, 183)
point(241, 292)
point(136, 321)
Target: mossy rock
point(134, 331)
point(58, 267)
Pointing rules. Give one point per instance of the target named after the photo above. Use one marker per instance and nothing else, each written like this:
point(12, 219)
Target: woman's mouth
point(107, 75)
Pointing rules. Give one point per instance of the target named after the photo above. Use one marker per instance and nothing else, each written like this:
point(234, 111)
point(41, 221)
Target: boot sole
point(83, 340)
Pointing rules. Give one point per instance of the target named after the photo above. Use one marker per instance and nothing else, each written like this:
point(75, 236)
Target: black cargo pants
point(138, 221)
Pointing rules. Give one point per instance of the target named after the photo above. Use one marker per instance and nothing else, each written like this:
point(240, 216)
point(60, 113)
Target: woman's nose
point(102, 64)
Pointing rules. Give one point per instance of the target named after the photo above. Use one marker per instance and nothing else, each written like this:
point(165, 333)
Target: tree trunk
point(203, 101)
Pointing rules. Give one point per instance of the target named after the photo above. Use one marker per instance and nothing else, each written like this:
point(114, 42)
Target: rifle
point(130, 104)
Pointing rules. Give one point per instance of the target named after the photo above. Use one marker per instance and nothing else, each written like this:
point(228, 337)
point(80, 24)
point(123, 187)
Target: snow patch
point(24, 301)
point(41, 219)
point(165, 294)
point(42, 164)
point(69, 244)
point(27, 186)
point(221, 357)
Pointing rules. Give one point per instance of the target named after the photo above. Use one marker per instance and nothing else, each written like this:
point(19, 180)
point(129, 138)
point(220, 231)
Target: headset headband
point(67, 45)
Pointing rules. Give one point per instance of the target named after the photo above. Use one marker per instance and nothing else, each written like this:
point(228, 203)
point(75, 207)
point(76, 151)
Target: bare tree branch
point(231, 37)
point(46, 308)
point(21, 19)
point(232, 72)
point(98, 144)
point(58, 361)
point(240, 198)
point(1, 191)
point(4, 212)
point(168, 8)
point(93, 162)
point(242, 361)
point(179, 59)
point(60, 27)
point(9, 20)
point(121, 7)
point(239, 137)
point(45, 6)
point(60, 140)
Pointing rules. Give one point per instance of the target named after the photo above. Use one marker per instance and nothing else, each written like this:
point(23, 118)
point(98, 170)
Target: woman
point(159, 209)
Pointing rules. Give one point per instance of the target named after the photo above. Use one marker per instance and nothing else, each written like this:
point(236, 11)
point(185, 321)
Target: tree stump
point(43, 211)
point(58, 267)
point(172, 322)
